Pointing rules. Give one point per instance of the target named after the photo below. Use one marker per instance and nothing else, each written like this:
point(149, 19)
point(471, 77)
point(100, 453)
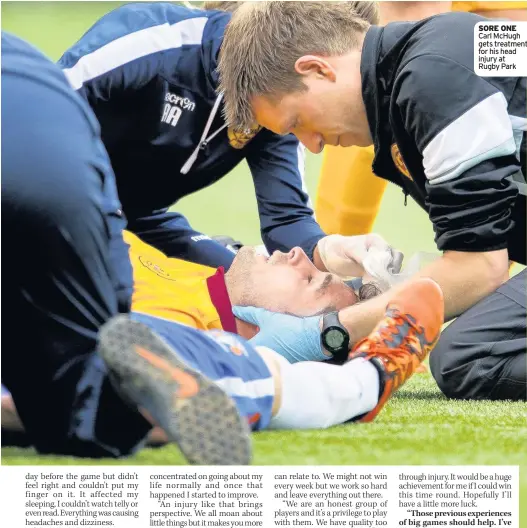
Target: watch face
point(334, 338)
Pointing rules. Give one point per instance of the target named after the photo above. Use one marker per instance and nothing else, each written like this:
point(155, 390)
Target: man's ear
point(246, 330)
point(313, 65)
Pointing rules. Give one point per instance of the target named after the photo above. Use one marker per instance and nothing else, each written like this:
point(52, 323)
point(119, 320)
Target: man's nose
point(313, 141)
point(297, 257)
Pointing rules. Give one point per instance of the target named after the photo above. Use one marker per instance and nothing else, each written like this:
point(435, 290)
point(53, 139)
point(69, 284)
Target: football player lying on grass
point(201, 398)
point(201, 297)
point(204, 298)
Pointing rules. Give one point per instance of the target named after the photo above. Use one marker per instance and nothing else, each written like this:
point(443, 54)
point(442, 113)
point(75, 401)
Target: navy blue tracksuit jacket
point(148, 71)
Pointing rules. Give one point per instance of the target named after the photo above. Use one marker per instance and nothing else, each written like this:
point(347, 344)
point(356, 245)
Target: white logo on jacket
point(174, 106)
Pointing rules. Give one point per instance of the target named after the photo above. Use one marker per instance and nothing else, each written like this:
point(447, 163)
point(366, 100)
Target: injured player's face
point(286, 283)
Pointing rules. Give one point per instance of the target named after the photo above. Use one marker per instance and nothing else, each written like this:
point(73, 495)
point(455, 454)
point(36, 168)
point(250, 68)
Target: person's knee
point(466, 370)
point(456, 364)
point(444, 368)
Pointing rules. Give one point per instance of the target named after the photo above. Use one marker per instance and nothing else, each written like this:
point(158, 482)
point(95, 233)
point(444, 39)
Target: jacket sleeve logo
point(239, 138)
point(399, 162)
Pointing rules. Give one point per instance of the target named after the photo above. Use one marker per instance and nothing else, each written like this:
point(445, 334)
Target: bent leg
point(482, 354)
point(65, 267)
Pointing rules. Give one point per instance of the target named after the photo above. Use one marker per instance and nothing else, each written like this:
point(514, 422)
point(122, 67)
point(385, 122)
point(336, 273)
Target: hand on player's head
point(286, 283)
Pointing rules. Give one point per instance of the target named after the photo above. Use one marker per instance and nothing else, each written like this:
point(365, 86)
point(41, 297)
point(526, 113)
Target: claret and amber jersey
point(177, 290)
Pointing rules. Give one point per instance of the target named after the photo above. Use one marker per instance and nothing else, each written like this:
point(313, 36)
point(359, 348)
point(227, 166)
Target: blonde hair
point(263, 41)
point(229, 7)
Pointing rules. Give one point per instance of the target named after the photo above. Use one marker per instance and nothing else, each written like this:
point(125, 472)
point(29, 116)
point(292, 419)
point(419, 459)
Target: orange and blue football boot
point(403, 339)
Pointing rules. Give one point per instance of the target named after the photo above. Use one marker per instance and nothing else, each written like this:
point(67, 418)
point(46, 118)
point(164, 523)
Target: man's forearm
point(465, 278)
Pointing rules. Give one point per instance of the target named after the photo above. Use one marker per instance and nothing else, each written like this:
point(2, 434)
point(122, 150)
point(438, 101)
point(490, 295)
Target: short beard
point(238, 279)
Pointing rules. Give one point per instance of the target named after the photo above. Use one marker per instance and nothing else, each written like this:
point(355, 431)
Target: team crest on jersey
point(156, 268)
point(399, 162)
point(239, 138)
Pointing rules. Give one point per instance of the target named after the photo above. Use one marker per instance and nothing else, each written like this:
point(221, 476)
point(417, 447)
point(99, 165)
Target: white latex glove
point(376, 267)
point(348, 256)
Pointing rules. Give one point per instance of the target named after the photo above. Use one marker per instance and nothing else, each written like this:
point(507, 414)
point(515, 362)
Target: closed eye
point(328, 279)
point(291, 127)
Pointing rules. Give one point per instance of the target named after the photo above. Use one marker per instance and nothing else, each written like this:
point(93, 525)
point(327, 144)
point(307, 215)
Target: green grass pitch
point(419, 426)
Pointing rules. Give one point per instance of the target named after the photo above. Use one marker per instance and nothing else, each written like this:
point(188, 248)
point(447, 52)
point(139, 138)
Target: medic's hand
point(295, 338)
point(346, 255)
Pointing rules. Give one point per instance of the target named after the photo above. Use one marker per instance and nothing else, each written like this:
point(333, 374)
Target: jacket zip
point(204, 141)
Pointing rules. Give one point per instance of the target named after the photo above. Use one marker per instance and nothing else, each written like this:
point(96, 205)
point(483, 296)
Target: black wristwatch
point(335, 338)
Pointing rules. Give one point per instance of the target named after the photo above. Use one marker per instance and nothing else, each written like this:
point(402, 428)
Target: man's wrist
point(320, 326)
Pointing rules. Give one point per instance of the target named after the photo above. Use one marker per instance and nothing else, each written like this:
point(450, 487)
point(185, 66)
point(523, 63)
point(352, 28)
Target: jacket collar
point(368, 70)
point(372, 86)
